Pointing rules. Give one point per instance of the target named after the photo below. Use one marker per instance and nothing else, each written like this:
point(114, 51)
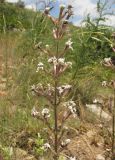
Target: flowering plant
point(55, 93)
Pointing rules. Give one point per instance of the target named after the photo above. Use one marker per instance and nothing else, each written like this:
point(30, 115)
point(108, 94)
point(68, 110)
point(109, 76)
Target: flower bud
point(46, 146)
point(62, 6)
point(34, 112)
point(47, 10)
point(45, 113)
point(69, 6)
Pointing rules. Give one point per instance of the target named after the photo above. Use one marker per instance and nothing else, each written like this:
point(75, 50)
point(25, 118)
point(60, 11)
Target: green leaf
point(96, 39)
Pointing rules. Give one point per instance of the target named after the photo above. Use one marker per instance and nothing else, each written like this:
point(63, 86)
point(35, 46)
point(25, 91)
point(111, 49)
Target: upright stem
point(6, 53)
point(6, 66)
point(55, 110)
point(113, 125)
point(55, 116)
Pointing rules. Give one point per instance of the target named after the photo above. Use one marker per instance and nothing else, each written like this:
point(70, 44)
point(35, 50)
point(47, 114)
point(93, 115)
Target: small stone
point(98, 111)
point(100, 157)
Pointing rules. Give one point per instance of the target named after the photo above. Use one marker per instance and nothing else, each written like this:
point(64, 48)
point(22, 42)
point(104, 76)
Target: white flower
point(65, 142)
point(71, 106)
point(52, 60)
point(107, 59)
point(62, 6)
point(47, 46)
point(46, 146)
point(50, 89)
point(34, 112)
point(39, 85)
point(47, 9)
point(65, 127)
point(72, 109)
point(45, 113)
point(95, 101)
point(72, 158)
point(72, 103)
point(61, 61)
point(59, 64)
point(62, 88)
point(68, 86)
point(104, 83)
point(69, 44)
point(66, 22)
point(40, 66)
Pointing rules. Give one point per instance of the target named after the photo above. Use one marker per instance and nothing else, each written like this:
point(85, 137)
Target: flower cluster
point(69, 44)
point(45, 113)
point(95, 101)
point(40, 66)
point(34, 112)
point(109, 62)
point(46, 146)
point(59, 61)
point(108, 84)
point(62, 89)
point(47, 10)
point(59, 65)
point(40, 90)
point(104, 83)
point(64, 15)
point(71, 105)
point(65, 142)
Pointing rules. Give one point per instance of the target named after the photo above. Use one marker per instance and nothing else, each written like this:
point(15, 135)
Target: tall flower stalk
point(55, 93)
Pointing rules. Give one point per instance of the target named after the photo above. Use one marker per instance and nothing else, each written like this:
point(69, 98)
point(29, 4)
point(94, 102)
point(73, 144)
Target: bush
point(12, 17)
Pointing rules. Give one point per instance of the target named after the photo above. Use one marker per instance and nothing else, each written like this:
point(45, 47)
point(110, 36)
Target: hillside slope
point(14, 17)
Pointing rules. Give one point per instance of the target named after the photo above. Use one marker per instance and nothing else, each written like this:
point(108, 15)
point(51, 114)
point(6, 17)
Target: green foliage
point(20, 4)
point(92, 43)
point(39, 146)
point(7, 152)
point(18, 18)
